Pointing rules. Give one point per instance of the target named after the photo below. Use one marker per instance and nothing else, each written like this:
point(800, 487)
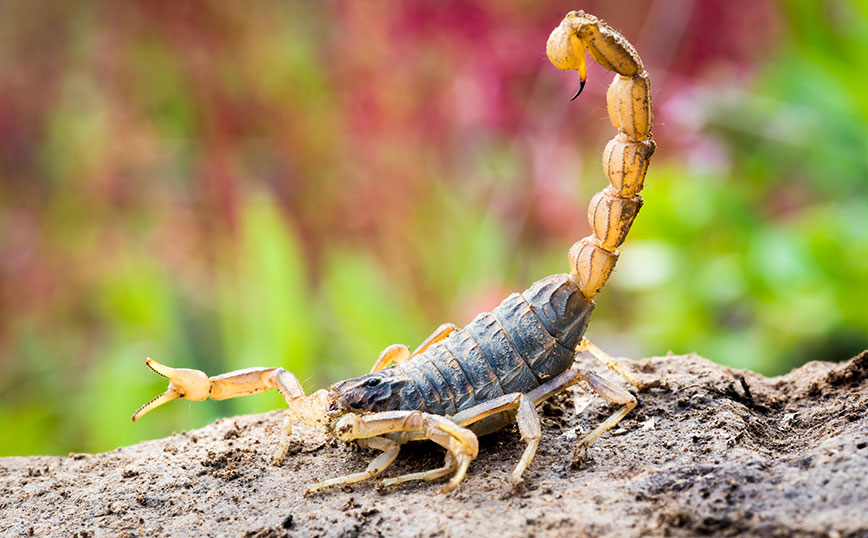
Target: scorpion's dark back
point(527, 339)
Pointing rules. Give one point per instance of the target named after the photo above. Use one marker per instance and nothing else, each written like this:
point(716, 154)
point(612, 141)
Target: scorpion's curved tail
point(625, 160)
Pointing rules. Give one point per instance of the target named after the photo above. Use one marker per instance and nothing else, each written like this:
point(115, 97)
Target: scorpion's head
point(385, 390)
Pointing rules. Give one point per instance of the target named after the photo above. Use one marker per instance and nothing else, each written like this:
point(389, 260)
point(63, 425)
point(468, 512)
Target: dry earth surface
point(709, 450)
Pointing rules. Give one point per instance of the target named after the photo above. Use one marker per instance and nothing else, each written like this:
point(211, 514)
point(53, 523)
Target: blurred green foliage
point(304, 184)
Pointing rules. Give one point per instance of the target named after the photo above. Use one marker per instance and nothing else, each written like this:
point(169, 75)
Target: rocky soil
point(708, 451)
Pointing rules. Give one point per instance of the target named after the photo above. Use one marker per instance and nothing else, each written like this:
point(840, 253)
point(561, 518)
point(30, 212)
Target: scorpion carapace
point(460, 383)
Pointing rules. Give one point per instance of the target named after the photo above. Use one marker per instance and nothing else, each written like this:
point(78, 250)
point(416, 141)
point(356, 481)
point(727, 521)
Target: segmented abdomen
point(527, 339)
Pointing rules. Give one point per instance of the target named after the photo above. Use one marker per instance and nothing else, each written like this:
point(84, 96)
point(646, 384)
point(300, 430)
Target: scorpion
point(462, 383)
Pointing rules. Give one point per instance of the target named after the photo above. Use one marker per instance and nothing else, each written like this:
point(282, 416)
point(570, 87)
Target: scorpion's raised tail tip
point(581, 87)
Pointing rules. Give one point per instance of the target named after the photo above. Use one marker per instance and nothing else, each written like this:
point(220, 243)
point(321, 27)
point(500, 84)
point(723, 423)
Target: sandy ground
point(708, 450)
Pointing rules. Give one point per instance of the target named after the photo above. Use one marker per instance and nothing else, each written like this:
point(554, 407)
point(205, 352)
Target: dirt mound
point(709, 450)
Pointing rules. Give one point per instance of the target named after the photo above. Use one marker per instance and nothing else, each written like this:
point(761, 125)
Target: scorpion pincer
point(461, 383)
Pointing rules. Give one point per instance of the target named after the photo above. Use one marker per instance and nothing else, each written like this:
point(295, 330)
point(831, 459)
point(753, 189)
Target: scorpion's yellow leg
point(197, 386)
point(460, 442)
point(439, 334)
point(607, 390)
point(600, 385)
point(378, 465)
point(394, 354)
point(506, 406)
point(448, 468)
point(609, 361)
point(398, 353)
point(522, 407)
point(612, 393)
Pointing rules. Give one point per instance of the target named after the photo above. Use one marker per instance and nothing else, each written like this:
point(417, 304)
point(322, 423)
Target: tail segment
point(625, 160)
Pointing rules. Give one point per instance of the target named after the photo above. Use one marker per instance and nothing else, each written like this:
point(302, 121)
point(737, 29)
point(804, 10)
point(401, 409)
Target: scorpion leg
point(197, 386)
point(612, 393)
point(460, 442)
point(526, 417)
point(528, 426)
point(398, 353)
point(426, 476)
point(609, 361)
point(601, 386)
point(378, 465)
point(439, 334)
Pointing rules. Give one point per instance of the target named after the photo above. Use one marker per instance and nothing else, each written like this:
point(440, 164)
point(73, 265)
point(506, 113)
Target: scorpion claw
point(156, 401)
point(183, 383)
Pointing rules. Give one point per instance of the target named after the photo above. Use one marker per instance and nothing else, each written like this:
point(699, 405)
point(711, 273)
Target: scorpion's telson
point(626, 157)
point(460, 383)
